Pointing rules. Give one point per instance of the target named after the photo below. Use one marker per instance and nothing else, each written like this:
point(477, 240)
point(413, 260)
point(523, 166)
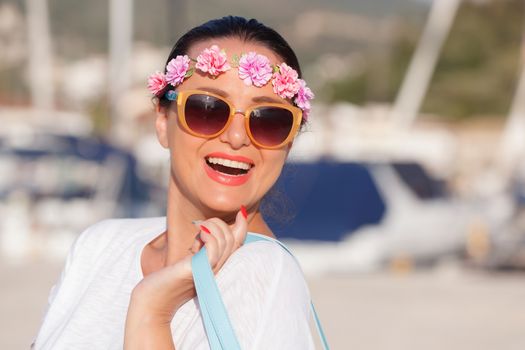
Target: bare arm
point(159, 295)
point(147, 332)
point(148, 335)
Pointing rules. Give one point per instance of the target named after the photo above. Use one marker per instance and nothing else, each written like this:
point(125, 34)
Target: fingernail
point(244, 212)
point(205, 229)
point(199, 238)
point(196, 222)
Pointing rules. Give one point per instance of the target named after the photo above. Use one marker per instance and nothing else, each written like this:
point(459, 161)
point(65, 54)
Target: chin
point(222, 203)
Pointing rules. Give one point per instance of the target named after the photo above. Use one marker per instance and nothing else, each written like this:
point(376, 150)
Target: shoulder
point(260, 256)
point(265, 265)
point(267, 297)
point(111, 233)
point(99, 242)
point(264, 254)
point(115, 229)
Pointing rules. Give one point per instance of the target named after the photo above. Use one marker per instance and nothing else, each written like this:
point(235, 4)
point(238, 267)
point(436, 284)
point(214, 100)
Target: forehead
point(229, 81)
point(234, 46)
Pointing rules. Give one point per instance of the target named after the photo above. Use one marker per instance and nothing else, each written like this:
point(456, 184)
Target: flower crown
point(254, 69)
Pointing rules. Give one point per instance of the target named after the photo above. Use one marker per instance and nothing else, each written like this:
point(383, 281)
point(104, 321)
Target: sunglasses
point(268, 125)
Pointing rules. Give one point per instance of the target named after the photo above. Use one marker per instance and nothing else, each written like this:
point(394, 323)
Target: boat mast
point(120, 46)
point(512, 145)
point(40, 78)
point(415, 84)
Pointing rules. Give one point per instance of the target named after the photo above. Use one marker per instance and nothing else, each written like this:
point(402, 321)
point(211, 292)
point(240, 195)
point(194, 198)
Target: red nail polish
point(200, 239)
point(205, 229)
point(244, 212)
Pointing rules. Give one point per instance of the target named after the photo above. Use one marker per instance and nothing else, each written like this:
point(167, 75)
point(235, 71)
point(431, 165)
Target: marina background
point(403, 200)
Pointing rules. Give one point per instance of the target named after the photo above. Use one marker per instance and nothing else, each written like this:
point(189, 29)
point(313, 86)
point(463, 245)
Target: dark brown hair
point(249, 30)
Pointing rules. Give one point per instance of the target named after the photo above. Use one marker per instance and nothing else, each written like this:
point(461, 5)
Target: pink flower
point(255, 69)
point(304, 95)
point(156, 82)
point(212, 61)
point(176, 70)
point(285, 81)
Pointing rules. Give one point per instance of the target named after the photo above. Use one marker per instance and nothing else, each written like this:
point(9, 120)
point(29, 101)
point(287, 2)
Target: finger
point(221, 231)
point(211, 236)
point(240, 228)
point(217, 232)
point(212, 246)
point(228, 238)
point(197, 244)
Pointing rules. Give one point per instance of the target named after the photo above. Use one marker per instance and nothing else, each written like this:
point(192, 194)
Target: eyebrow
point(266, 99)
point(257, 99)
point(214, 90)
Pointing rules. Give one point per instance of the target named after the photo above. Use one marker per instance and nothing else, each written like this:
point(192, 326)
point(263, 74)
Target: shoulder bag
point(221, 335)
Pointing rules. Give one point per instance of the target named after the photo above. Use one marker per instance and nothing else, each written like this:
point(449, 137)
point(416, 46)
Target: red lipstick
point(230, 157)
point(226, 179)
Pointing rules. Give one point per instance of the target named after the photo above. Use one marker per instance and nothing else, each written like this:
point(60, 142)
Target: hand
point(220, 239)
point(159, 295)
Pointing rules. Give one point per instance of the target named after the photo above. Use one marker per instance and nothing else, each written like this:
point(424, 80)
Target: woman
point(229, 105)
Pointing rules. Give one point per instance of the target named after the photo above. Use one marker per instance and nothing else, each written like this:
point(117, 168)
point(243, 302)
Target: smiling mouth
point(228, 167)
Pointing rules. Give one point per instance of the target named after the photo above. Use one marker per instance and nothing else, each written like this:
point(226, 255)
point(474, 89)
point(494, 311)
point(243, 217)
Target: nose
point(236, 134)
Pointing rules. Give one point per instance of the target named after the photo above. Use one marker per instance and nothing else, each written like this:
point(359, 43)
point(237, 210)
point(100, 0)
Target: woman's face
point(195, 180)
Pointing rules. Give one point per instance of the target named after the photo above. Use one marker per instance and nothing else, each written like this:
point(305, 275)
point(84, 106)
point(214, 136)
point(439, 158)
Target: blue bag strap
point(220, 332)
point(254, 237)
point(221, 335)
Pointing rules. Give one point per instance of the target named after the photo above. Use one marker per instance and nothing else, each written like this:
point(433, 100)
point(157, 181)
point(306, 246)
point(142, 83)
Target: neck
point(181, 232)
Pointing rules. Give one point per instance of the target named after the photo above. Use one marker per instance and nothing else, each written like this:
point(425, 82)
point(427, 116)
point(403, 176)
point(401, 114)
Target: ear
point(161, 125)
point(289, 147)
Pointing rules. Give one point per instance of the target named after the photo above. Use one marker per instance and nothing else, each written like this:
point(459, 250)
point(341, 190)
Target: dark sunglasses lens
point(205, 114)
point(270, 126)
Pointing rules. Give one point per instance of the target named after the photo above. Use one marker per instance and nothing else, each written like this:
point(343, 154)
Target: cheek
point(183, 146)
point(179, 140)
point(274, 162)
point(174, 130)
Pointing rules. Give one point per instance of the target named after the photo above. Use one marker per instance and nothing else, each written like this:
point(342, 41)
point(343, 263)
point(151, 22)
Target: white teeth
point(229, 163)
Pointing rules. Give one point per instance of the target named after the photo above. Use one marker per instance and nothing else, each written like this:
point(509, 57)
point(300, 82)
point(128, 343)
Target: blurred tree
point(365, 85)
point(477, 71)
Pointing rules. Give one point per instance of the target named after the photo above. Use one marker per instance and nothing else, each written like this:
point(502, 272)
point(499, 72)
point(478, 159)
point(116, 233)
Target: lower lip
point(225, 179)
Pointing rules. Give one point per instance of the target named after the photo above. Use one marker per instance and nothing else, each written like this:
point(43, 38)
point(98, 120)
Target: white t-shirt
point(262, 286)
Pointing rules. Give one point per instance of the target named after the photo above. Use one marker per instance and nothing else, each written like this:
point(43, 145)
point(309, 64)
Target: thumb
point(197, 244)
point(240, 227)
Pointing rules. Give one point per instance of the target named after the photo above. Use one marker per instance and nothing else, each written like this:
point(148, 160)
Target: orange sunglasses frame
point(297, 113)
